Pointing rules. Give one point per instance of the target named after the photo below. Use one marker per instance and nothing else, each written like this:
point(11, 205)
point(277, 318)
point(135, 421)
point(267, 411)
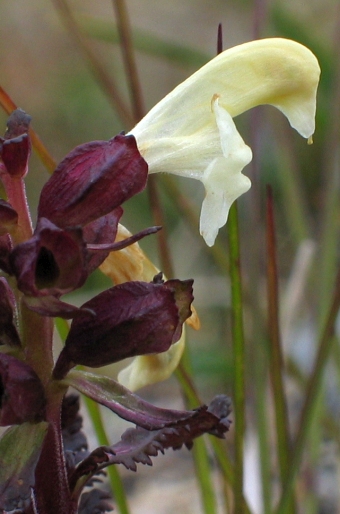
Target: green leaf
point(20, 449)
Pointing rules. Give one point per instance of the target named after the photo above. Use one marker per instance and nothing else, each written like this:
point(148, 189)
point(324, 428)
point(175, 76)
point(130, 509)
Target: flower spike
point(184, 136)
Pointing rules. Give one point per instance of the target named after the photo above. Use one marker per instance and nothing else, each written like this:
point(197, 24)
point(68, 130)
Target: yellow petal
point(150, 369)
point(131, 263)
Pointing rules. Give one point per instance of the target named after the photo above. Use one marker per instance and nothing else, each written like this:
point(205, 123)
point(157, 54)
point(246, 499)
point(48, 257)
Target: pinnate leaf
point(138, 445)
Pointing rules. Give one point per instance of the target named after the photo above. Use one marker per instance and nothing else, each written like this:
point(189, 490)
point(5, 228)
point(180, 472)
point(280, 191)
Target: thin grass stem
point(191, 217)
point(263, 436)
point(314, 387)
point(126, 44)
point(200, 450)
point(238, 355)
point(327, 262)
point(275, 349)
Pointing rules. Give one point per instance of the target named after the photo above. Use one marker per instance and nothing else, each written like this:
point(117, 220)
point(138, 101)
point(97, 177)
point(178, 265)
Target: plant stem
point(125, 35)
point(222, 458)
point(158, 219)
point(138, 109)
point(275, 350)
point(36, 331)
point(238, 355)
point(51, 487)
point(37, 339)
point(261, 405)
point(189, 212)
point(200, 450)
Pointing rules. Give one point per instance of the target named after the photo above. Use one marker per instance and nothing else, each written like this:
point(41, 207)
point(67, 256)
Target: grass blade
point(238, 355)
point(275, 349)
point(313, 390)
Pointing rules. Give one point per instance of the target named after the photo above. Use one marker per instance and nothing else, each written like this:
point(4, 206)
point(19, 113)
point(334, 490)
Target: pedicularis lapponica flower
point(192, 133)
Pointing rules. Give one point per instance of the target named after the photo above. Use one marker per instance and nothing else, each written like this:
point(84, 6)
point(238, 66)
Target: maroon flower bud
point(134, 318)
point(15, 147)
point(8, 217)
point(92, 181)
point(8, 332)
point(21, 392)
point(17, 124)
point(52, 262)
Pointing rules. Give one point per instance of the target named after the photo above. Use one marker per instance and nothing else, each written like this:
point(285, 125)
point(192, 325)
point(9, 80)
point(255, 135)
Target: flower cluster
point(192, 133)
point(78, 214)
point(77, 222)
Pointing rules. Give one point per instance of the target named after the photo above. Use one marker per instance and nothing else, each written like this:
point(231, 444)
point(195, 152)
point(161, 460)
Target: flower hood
point(191, 131)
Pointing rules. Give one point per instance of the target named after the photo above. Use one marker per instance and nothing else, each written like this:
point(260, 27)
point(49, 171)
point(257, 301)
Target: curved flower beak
point(191, 131)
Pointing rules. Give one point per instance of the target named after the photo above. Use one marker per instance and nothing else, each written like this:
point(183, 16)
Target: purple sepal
point(119, 245)
point(92, 181)
point(52, 262)
point(8, 217)
point(8, 331)
point(21, 392)
point(134, 318)
point(6, 247)
point(53, 307)
point(102, 231)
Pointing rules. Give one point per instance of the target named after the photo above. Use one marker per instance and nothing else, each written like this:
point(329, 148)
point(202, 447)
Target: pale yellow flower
point(191, 131)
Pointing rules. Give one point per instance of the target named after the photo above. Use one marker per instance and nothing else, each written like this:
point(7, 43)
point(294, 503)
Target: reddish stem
point(51, 489)
point(16, 195)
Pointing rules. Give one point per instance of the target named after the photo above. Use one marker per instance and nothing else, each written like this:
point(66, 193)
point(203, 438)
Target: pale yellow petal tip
point(194, 321)
point(150, 369)
point(310, 140)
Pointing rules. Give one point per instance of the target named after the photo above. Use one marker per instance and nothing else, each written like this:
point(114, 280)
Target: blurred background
point(63, 77)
